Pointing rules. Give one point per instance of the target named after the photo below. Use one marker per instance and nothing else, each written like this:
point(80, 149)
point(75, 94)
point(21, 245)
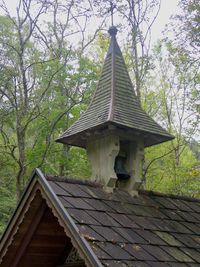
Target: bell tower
point(115, 129)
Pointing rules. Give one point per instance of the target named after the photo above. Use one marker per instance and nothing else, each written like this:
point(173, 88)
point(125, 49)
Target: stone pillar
point(135, 155)
point(102, 152)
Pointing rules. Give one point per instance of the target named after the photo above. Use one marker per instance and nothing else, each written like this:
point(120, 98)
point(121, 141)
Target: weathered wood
point(29, 235)
point(72, 265)
point(114, 102)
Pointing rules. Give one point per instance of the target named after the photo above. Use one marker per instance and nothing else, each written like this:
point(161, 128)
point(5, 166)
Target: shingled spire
point(114, 103)
point(114, 114)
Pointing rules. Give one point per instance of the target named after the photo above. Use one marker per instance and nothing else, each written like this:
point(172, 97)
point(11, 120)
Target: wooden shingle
point(114, 103)
point(113, 234)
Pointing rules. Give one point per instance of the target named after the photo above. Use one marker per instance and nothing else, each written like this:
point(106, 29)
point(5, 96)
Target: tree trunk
point(21, 161)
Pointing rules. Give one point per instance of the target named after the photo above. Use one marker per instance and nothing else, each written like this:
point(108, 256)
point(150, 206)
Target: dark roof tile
point(90, 234)
point(178, 264)
point(158, 264)
point(137, 264)
point(163, 225)
point(58, 190)
point(146, 211)
point(82, 217)
point(181, 227)
point(172, 214)
point(103, 218)
point(119, 207)
point(165, 202)
point(187, 216)
point(194, 254)
point(169, 238)
point(95, 193)
point(194, 206)
point(109, 233)
point(180, 204)
point(138, 252)
point(194, 228)
point(196, 238)
point(78, 203)
point(73, 189)
point(101, 254)
point(114, 263)
point(173, 226)
point(65, 203)
point(177, 254)
point(150, 237)
point(157, 252)
point(116, 251)
point(196, 216)
point(188, 240)
point(130, 235)
point(143, 222)
point(122, 196)
point(148, 230)
point(146, 200)
point(123, 220)
point(98, 205)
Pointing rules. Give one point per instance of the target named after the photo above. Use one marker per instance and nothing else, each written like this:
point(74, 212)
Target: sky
point(168, 8)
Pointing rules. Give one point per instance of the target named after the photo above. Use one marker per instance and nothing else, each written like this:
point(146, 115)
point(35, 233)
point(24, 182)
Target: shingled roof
point(114, 229)
point(115, 103)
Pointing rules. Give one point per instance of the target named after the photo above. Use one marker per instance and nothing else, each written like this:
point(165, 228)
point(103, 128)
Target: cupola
point(115, 129)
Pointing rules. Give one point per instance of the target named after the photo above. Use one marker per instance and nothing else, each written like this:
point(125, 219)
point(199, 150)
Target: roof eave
point(38, 176)
point(159, 139)
point(79, 139)
point(69, 221)
point(16, 213)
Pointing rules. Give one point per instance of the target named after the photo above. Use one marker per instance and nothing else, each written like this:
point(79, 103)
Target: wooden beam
point(81, 264)
point(28, 236)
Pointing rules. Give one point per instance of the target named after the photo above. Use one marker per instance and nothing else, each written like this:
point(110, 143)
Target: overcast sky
point(168, 8)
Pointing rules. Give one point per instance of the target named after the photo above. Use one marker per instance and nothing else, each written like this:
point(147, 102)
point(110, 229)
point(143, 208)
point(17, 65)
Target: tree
point(178, 111)
point(39, 66)
point(187, 28)
point(139, 17)
point(177, 102)
point(135, 20)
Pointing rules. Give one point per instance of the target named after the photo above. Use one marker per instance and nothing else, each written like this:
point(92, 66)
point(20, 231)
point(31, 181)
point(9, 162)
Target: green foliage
point(78, 165)
point(188, 22)
point(57, 81)
point(173, 167)
point(99, 49)
point(169, 175)
point(40, 97)
point(8, 200)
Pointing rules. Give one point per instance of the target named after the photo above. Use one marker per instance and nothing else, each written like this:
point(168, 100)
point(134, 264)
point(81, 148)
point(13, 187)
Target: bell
point(119, 168)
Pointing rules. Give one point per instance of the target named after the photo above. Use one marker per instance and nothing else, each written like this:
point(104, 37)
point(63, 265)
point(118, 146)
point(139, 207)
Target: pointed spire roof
point(114, 103)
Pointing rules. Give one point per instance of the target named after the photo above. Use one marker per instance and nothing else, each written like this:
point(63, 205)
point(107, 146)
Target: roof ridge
point(112, 98)
point(69, 180)
point(112, 51)
point(172, 196)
